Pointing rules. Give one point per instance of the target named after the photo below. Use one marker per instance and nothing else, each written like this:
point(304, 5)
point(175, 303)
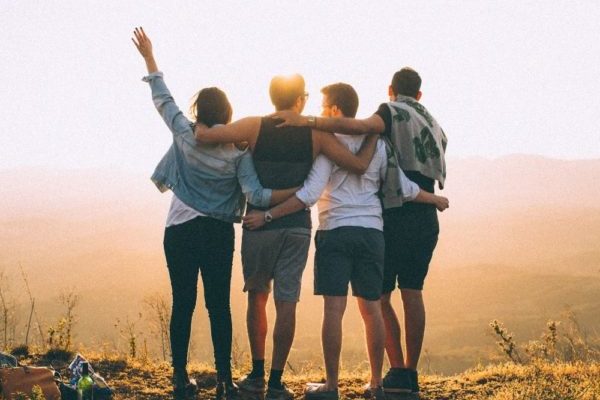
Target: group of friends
point(373, 182)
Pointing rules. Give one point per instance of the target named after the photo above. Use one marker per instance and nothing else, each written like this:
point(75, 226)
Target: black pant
point(206, 245)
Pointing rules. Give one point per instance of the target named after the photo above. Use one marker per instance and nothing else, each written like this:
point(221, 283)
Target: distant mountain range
point(527, 208)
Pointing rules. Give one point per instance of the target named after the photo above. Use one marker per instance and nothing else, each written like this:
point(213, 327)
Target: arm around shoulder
point(351, 126)
point(243, 130)
point(339, 154)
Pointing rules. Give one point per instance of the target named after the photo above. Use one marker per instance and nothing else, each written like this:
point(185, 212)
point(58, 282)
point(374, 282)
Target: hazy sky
point(501, 77)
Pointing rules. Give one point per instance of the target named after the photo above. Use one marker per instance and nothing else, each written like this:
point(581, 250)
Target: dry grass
point(133, 379)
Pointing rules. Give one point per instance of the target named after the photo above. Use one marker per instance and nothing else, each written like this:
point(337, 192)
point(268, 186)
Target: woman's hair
point(211, 107)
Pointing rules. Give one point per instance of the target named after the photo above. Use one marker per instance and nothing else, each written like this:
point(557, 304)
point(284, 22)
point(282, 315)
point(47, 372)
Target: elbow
point(202, 137)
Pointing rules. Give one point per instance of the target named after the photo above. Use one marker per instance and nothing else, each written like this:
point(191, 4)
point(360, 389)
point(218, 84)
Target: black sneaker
point(227, 391)
point(184, 387)
point(279, 394)
point(252, 385)
point(414, 381)
point(398, 380)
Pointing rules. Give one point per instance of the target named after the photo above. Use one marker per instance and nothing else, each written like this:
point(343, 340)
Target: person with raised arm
point(411, 230)
point(277, 252)
point(209, 184)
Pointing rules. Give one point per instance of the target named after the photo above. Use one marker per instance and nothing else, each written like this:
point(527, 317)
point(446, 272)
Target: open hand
point(254, 220)
point(142, 42)
point(290, 118)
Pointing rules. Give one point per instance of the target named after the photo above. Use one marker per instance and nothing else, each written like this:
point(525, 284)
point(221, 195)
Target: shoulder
point(248, 122)
point(383, 109)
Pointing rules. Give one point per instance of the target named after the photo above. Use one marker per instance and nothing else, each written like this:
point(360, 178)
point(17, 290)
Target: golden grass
point(133, 379)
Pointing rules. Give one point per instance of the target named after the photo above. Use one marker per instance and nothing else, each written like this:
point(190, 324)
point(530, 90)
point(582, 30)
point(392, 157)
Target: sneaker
point(397, 381)
point(279, 394)
point(414, 380)
point(315, 391)
point(183, 386)
point(252, 385)
point(375, 393)
point(227, 391)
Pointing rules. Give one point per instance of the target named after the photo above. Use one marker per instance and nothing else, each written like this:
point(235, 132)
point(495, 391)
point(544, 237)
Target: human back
point(205, 177)
point(351, 199)
point(283, 157)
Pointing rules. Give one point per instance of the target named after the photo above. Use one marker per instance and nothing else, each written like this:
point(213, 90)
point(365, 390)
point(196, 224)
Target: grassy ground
point(537, 381)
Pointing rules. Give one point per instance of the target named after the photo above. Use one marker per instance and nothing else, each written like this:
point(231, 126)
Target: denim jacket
point(211, 178)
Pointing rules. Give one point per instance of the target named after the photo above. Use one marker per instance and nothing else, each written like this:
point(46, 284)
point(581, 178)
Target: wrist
point(267, 216)
point(311, 121)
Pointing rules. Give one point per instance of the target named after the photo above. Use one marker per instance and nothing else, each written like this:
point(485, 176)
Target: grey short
point(349, 254)
point(279, 255)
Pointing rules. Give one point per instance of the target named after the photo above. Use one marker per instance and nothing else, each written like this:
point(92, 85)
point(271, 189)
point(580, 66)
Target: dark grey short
point(277, 255)
point(349, 254)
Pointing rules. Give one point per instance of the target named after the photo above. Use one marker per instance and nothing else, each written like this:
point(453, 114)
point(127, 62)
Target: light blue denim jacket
point(211, 178)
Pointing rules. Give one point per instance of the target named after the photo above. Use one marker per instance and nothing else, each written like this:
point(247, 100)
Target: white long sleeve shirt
point(344, 198)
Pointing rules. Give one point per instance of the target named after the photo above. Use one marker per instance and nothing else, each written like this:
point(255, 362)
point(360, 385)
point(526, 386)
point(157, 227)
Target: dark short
point(411, 234)
point(352, 255)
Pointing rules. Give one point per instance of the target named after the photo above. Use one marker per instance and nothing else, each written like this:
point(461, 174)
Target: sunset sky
point(501, 77)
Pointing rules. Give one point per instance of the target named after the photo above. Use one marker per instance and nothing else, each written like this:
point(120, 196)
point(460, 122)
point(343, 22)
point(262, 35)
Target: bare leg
point(256, 322)
point(393, 346)
point(283, 333)
point(375, 332)
point(331, 337)
point(414, 322)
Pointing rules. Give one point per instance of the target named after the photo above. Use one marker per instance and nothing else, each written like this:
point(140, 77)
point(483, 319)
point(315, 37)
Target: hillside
point(519, 243)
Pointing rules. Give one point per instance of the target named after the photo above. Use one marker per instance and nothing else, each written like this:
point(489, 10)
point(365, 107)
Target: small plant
point(239, 356)
point(572, 345)
point(36, 394)
point(60, 355)
point(128, 332)
point(32, 312)
point(60, 336)
point(8, 317)
point(506, 343)
point(20, 351)
point(159, 318)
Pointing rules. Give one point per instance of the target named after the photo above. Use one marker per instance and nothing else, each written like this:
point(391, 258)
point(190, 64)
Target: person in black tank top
point(283, 158)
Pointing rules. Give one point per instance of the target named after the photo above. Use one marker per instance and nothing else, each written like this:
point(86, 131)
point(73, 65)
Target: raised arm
point(327, 144)
point(243, 130)
point(144, 45)
point(161, 96)
point(347, 126)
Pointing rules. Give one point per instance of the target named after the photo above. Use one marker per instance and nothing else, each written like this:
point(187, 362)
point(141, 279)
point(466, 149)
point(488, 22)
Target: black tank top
point(283, 158)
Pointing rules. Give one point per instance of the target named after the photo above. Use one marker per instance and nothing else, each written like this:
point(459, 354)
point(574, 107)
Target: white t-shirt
point(179, 212)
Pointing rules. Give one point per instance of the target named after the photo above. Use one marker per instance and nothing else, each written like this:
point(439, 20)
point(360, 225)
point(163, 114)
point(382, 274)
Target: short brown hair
point(211, 107)
point(406, 82)
point(285, 90)
point(343, 96)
